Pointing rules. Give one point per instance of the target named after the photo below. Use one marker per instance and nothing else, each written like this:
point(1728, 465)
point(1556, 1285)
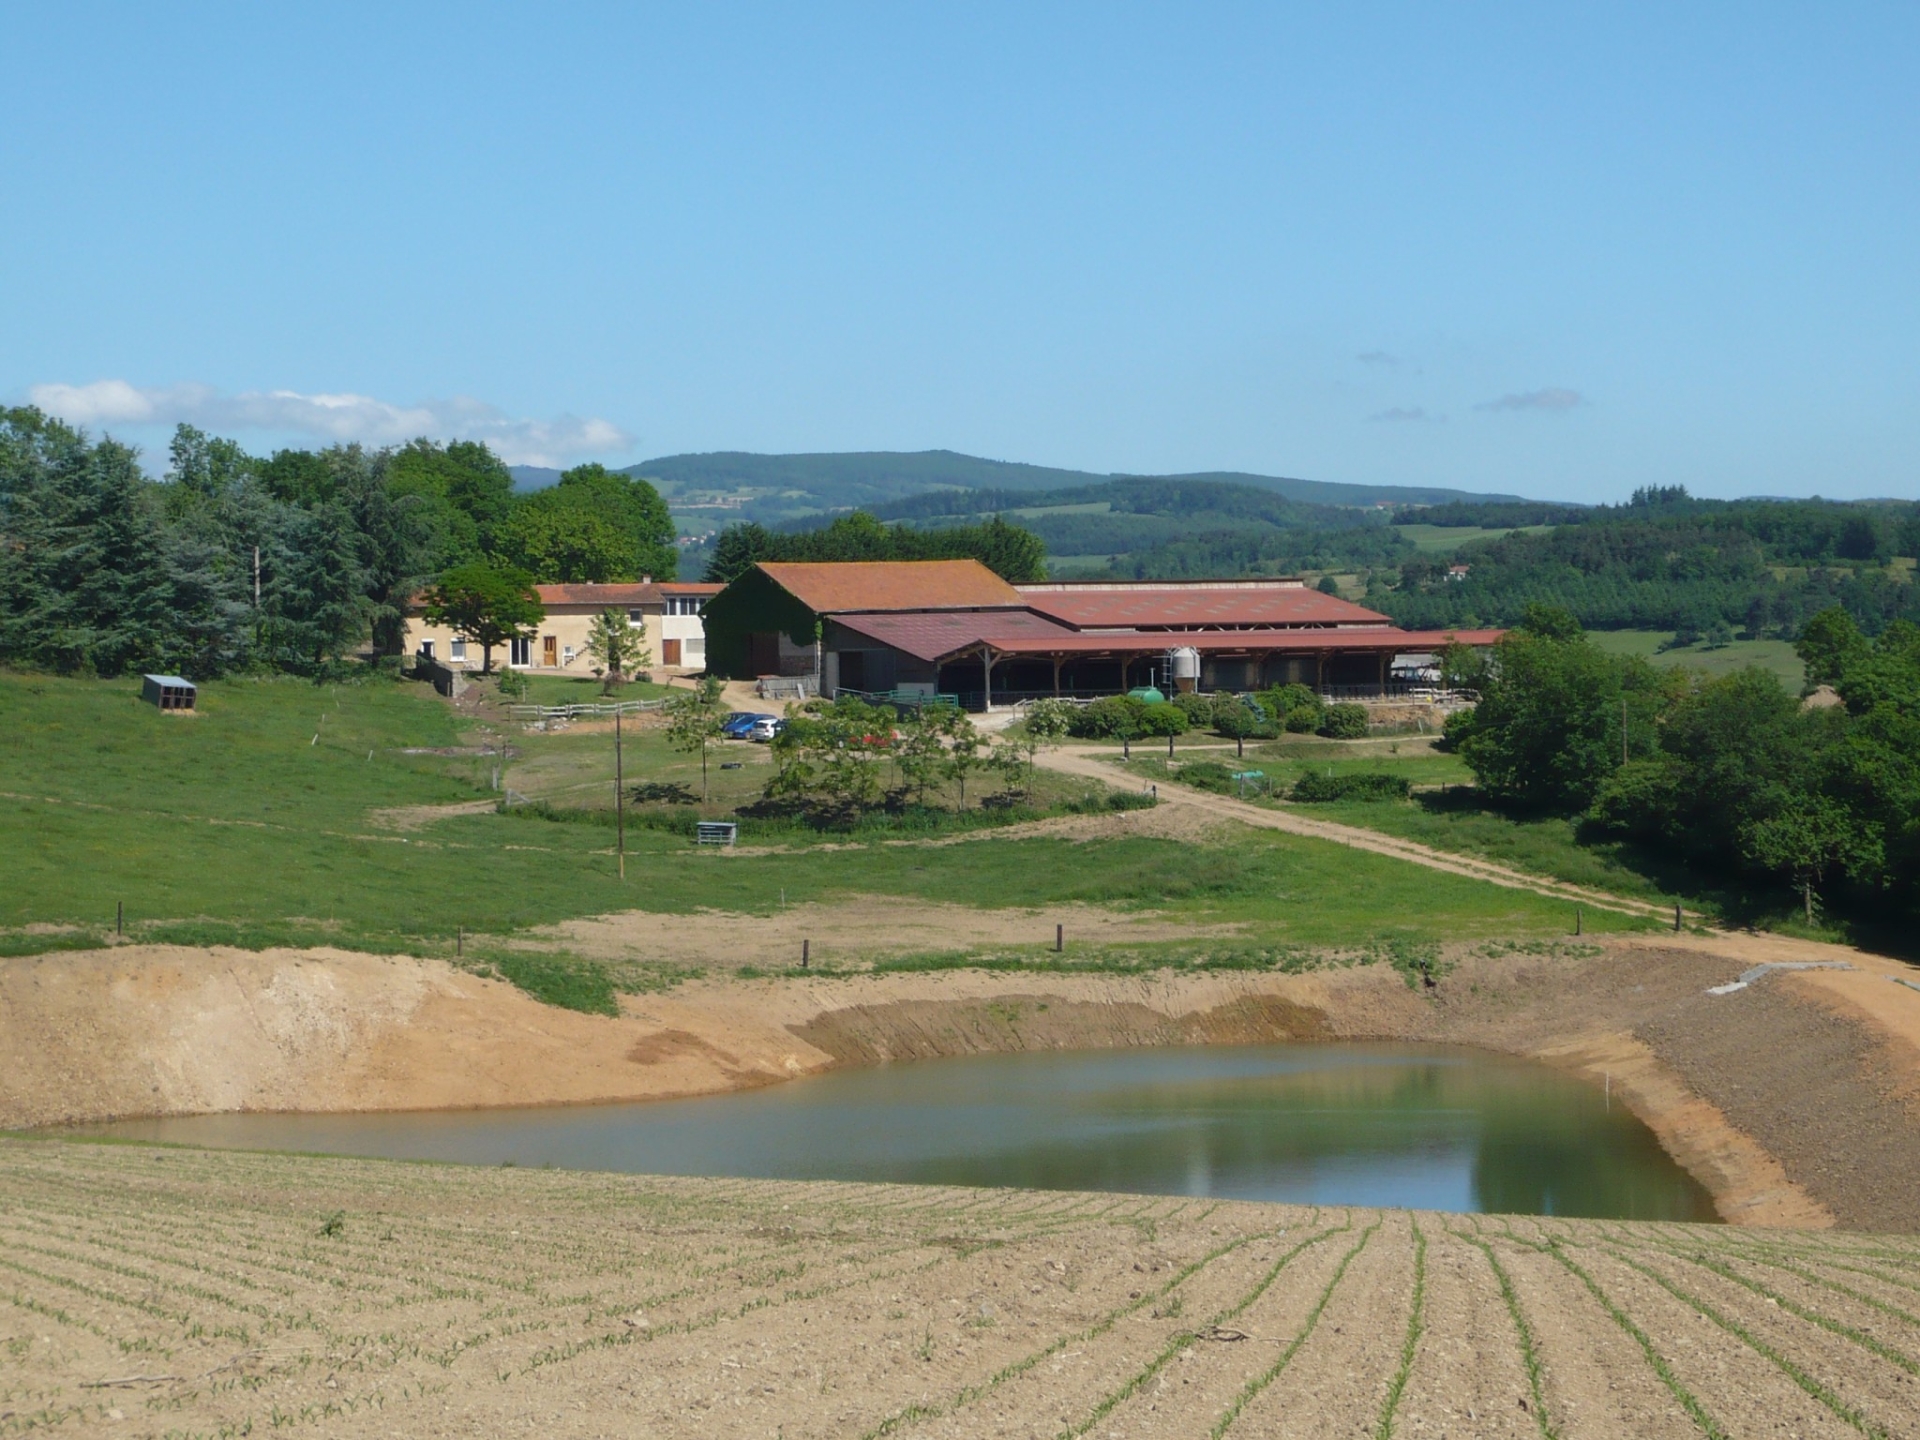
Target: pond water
point(1432, 1127)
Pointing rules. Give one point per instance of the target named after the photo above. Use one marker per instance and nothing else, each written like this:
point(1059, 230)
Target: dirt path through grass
point(1097, 765)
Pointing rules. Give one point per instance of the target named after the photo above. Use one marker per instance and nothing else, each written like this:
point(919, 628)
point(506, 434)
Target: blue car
point(736, 725)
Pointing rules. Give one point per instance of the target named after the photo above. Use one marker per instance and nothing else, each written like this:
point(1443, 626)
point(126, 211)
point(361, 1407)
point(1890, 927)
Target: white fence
point(541, 714)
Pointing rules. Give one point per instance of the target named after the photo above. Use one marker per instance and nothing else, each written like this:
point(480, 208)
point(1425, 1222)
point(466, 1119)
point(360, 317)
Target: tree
point(1803, 838)
point(694, 718)
point(737, 549)
point(320, 606)
point(488, 603)
point(1830, 644)
point(619, 644)
point(1234, 718)
point(566, 544)
point(464, 492)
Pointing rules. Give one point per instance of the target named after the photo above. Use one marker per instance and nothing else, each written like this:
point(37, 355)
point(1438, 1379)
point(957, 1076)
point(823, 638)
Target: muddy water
point(1425, 1126)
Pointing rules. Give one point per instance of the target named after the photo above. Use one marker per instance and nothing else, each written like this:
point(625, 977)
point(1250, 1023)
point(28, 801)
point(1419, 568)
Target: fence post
point(1059, 938)
point(806, 954)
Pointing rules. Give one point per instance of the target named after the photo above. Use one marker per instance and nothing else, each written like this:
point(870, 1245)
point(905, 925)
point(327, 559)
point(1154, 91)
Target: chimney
point(646, 579)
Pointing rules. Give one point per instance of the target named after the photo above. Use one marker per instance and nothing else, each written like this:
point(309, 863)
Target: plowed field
point(178, 1292)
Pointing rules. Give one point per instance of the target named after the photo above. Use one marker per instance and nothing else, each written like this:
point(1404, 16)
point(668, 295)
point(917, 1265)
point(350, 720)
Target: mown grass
point(1776, 656)
point(253, 824)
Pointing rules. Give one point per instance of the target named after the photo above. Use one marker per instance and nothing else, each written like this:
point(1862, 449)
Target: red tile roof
point(625, 593)
point(835, 587)
point(938, 635)
point(1192, 607)
point(689, 587)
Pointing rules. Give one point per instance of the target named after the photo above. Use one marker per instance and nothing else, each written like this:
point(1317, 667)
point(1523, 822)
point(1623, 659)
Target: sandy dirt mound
point(190, 1292)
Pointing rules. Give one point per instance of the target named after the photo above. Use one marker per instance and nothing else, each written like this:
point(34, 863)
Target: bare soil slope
point(173, 1292)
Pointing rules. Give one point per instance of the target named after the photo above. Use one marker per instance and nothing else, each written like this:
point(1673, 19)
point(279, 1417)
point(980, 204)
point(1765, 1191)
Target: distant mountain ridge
point(830, 481)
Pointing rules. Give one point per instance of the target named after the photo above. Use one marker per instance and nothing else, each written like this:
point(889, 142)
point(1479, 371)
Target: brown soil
point(1791, 1101)
point(153, 1292)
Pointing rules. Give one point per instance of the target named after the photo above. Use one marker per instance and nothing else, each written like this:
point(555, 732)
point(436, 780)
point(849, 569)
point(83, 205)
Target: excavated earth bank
point(1795, 1101)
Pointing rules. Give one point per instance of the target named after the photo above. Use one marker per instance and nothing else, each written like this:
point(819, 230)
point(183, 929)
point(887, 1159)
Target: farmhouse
point(670, 611)
point(953, 627)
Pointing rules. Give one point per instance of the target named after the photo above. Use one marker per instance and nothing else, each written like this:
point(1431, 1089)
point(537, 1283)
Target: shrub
point(1110, 801)
point(1294, 708)
point(1366, 785)
point(1345, 722)
point(1197, 708)
point(1206, 775)
point(1161, 720)
point(1107, 717)
point(553, 980)
point(513, 685)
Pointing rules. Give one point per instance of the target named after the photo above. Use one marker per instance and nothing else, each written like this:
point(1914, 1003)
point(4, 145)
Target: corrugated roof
point(931, 634)
point(831, 588)
point(1234, 642)
point(935, 635)
point(1175, 607)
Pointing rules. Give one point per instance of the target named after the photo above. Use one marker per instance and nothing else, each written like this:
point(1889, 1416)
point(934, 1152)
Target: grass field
point(282, 812)
point(1772, 655)
point(1456, 819)
point(583, 690)
point(1434, 539)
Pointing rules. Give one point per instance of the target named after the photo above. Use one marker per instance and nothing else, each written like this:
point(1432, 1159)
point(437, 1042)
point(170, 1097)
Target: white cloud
point(1416, 414)
point(334, 418)
point(1553, 399)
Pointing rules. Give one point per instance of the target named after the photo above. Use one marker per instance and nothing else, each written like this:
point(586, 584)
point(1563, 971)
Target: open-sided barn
point(953, 627)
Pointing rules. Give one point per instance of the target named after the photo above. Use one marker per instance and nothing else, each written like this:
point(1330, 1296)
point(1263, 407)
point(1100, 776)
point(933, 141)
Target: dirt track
point(1097, 765)
point(155, 1292)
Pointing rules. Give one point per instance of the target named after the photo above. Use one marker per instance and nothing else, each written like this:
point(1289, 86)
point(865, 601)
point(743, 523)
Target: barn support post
point(1058, 661)
point(986, 679)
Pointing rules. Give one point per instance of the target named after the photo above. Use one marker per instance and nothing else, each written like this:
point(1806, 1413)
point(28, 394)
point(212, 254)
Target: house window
point(520, 652)
point(685, 604)
point(636, 617)
point(426, 648)
point(696, 645)
point(458, 649)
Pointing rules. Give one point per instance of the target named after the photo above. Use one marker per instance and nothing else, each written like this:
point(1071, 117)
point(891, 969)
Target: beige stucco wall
point(567, 626)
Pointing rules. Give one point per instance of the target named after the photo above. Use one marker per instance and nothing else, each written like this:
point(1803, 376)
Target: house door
point(763, 652)
point(669, 652)
point(550, 651)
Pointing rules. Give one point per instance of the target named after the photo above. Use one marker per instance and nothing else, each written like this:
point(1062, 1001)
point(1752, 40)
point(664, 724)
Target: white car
point(765, 728)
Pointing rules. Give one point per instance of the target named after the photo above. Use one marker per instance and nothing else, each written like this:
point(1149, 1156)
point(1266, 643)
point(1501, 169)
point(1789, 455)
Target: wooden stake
point(1676, 919)
point(1059, 938)
point(459, 939)
point(619, 796)
point(1576, 919)
point(119, 917)
point(806, 953)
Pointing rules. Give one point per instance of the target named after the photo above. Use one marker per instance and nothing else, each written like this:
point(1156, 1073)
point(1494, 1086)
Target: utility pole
point(619, 795)
point(1623, 729)
point(256, 577)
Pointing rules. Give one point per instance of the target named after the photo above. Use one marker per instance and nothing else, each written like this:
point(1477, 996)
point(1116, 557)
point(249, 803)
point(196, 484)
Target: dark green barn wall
point(753, 604)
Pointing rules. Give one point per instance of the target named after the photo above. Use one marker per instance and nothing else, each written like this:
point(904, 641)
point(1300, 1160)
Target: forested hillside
point(1666, 561)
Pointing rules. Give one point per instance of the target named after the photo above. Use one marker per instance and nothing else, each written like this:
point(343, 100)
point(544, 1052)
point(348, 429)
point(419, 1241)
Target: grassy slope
point(1773, 655)
point(1434, 539)
point(1458, 820)
point(238, 825)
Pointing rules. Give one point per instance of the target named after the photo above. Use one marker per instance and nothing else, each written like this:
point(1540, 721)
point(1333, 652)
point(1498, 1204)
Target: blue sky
point(1557, 250)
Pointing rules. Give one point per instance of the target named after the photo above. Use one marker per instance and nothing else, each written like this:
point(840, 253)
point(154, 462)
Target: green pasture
point(259, 820)
point(1776, 656)
point(582, 690)
point(1436, 539)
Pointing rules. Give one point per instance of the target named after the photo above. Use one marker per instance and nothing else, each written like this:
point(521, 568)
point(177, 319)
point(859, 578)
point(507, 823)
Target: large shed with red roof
point(953, 627)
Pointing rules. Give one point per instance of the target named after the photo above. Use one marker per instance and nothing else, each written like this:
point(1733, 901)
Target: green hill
point(729, 484)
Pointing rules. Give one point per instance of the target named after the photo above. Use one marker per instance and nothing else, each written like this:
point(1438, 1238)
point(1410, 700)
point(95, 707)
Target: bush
point(1345, 722)
point(513, 685)
point(1110, 801)
point(1108, 717)
point(1366, 785)
point(1294, 708)
point(1197, 708)
point(1161, 720)
point(1206, 775)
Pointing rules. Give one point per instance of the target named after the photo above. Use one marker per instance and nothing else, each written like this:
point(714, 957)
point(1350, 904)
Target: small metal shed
point(169, 692)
